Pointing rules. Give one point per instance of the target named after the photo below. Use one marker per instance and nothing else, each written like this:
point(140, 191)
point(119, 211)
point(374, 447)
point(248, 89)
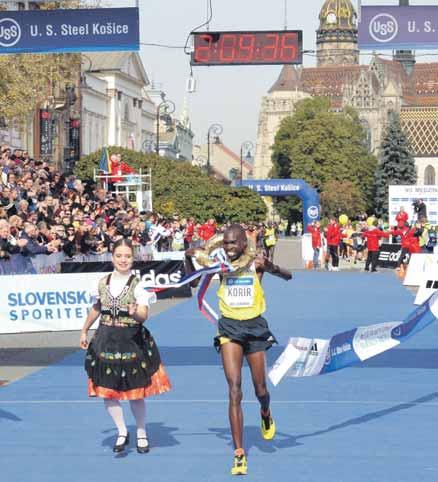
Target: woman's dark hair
point(123, 242)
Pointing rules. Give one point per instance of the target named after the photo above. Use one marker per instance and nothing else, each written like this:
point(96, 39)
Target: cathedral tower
point(405, 57)
point(336, 38)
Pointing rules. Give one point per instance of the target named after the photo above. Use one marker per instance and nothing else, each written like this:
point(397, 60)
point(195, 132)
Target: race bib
point(239, 292)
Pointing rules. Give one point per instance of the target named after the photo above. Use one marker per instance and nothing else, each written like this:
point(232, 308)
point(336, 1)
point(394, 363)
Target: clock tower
point(336, 38)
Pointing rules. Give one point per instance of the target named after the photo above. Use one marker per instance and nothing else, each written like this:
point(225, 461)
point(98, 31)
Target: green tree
point(27, 80)
point(397, 164)
point(321, 146)
point(341, 197)
point(178, 187)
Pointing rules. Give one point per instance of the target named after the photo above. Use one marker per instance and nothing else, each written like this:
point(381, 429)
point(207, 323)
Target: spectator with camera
point(420, 209)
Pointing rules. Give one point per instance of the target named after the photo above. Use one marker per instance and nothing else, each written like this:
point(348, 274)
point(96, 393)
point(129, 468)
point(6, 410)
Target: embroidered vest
point(114, 310)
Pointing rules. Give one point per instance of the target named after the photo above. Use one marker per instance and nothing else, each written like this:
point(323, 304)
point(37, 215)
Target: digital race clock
point(247, 48)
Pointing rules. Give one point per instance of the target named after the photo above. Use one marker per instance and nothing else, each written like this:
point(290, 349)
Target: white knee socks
point(138, 409)
point(116, 413)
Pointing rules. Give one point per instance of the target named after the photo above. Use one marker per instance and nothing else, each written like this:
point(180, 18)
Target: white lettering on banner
point(383, 27)
point(46, 303)
point(10, 32)
point(389, 256)
point(109, 28)
point(152, 278)
point(371, 340)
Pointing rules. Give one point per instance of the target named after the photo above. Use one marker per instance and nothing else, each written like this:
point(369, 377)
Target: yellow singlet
point(241, 295)
point(269, 236)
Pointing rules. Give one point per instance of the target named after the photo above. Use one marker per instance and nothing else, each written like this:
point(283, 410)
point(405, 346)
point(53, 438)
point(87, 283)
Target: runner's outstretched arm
point(264, 265)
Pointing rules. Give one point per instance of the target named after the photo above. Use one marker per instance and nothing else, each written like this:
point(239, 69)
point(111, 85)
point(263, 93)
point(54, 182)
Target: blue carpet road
point(373, 423)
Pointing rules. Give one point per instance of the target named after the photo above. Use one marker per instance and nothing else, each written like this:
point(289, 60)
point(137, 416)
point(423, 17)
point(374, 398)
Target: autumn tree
point(321, 146)
point(28, 80)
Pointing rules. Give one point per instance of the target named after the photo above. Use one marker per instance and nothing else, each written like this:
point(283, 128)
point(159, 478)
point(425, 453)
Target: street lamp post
point(247, 147)
point(148, 146)
point(216, 130)
point(169, 108)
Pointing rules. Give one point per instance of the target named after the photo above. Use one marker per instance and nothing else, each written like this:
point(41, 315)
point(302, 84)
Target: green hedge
point(180, 188)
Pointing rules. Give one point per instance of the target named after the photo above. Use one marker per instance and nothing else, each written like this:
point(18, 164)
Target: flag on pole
point(105, 166)
point(105, 163)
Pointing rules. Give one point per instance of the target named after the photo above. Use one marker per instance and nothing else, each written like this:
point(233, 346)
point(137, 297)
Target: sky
point(231, 95)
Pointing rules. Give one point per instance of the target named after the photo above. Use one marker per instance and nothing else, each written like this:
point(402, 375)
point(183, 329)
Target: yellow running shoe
point(239, 465)
point(267, 427)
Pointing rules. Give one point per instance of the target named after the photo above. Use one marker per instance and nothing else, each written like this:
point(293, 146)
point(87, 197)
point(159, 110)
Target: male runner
point(243, 332)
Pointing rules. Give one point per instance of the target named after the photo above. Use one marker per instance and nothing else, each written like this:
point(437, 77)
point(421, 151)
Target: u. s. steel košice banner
point(305, 357)
point(44, 31)
point(393, 27)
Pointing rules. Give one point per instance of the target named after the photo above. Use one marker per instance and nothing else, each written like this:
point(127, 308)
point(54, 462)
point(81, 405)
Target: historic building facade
point(397, 84)
point(115, 109)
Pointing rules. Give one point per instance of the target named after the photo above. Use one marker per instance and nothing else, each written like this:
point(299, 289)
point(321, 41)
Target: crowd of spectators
point(360, 241)
point(43, 211)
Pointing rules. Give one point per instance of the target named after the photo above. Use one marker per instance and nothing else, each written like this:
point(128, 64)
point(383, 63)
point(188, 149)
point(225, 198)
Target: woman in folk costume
point(122, 360)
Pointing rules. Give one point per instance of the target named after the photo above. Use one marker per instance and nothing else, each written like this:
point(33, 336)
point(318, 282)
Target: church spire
point(405, 57)
point(336, 38)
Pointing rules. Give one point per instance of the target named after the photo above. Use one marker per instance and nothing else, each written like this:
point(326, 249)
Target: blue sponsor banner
point(307, 357)
point(289, 187)
point(45, 31)
point(393, 27)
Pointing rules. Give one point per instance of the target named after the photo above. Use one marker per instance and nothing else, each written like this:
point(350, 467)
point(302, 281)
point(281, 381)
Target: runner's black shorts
point(253, 335)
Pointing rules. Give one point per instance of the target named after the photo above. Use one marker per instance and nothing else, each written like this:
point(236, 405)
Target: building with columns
point(397, 84)
point(115, 107)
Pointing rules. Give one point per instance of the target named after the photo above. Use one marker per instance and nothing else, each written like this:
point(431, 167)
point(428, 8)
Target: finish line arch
point(290, 187)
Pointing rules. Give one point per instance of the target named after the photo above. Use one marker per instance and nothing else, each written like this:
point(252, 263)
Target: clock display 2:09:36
point(246, 47)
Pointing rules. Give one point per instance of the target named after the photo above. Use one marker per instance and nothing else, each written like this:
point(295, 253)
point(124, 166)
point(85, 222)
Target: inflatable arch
point(290, 187)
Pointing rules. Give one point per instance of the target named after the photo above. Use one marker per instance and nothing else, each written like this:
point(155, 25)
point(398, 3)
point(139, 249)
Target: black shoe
point(374, 271)
point(143, 450)
point(121, 447)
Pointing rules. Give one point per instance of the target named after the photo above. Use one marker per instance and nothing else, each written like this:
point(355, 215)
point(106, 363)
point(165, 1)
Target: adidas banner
point(161, 273)
point(389, 255)
point(307, 356)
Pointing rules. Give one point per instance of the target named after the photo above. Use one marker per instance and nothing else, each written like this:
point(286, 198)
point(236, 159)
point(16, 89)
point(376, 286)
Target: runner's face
point(123, 259)
point(234, 244)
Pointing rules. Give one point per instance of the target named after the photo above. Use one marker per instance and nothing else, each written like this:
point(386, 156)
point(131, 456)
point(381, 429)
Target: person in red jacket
point(373, 236)
point(189, 232)
point(414, 235)
point(405, 234)
point(401, 218)
point(207, 230)
point(315, 230)
point(333, 235)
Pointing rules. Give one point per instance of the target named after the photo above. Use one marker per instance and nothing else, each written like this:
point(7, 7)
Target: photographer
point(420, 209)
